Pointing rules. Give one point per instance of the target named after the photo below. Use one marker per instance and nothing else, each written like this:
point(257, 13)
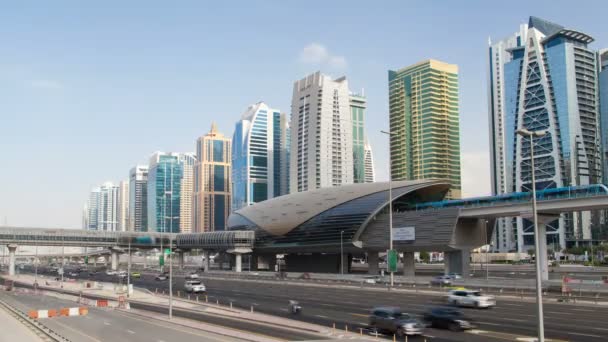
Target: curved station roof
point(324, 217)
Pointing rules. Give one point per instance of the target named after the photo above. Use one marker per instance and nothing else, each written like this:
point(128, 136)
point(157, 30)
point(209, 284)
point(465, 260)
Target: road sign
point(161, 260)
point(391, 260)
point(167, 250)
point(86, 259)
point(404, 234)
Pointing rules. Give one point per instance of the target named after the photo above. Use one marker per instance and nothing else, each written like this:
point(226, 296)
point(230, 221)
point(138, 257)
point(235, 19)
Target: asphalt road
point(107, 325)
point(511, 319)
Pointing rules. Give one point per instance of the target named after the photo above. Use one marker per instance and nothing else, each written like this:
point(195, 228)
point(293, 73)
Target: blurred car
point(463, 297)
point(135, 274)
point(121, 274)
point(448, 318)
point(454, 275)
point(162, 276)
point(110, 272)
point(194, 286)
point(73, 274)
point(92, 273)
point(394, 321)
point(442, 280)
point(192, 275)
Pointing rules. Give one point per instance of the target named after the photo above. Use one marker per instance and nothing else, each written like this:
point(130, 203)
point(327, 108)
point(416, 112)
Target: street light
point(390, 200)
point(341, 253)
point(539, 292)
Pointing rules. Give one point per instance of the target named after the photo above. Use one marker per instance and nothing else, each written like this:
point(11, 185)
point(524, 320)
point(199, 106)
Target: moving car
point(394, 321)
point(192, 275)
point(162, 276)
point(454, 275)
point(442, 280)
point(121, 274)
point(135, 274)
point(194, 286)
point(73, 274)
point(464, 297)
point(448, 318)
point(111, 272)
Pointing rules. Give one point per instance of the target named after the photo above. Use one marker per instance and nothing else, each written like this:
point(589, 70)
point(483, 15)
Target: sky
point(90, 89)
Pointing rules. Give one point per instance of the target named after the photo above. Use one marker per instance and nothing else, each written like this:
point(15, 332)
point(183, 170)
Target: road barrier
point(50, 313)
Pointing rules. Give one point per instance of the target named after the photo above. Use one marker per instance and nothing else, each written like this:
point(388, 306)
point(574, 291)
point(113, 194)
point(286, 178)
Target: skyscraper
point(102, 208)
point(123, 206)
point(543, 78)
point(358, 104)
point(212, 182)
point(370, 173)
point(259, 146)
point(186, 222)
point(164, 192)
point(322, 133)
point(603, 93)
point(423, 105)
point(138, 199)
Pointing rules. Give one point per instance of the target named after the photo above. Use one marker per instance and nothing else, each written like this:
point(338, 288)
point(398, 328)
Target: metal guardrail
point(41, 330)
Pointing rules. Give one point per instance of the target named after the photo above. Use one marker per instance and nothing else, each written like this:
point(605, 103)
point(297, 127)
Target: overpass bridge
point(237, 242)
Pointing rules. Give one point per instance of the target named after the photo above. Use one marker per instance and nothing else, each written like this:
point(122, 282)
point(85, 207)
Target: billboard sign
point(404, 234)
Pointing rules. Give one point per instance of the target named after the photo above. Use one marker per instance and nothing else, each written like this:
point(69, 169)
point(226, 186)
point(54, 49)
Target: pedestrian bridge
point(220, 240)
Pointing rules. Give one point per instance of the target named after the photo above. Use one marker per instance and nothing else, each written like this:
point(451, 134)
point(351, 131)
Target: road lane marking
point(586, 310)
point(77, 331)
point(513, 319)
point(580, 334)
point(106, 323)
point(359, 315)
point(321, 316)
point(131, 331)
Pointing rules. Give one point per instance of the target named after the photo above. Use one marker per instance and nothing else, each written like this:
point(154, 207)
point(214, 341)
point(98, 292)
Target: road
point(101, 325)
point(510, 320)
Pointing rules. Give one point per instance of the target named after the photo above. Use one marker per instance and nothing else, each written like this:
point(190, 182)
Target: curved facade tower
point(260, 156)
point(543, 78)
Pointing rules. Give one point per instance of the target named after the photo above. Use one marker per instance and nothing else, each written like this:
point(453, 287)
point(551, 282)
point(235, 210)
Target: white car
point(194, 286)
point(111, 272)
point(192, 275)
point(470, 298)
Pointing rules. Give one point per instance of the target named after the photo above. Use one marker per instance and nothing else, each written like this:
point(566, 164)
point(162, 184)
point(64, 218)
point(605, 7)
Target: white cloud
point(46, 84)
point(315, 53)
point(475, 174)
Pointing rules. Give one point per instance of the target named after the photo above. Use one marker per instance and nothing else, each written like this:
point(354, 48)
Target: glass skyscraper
point(164, 192)
point(423, 105)
point(102, 208)
point(603, 93)
point(358, 104)
point(138, 199)
point(212, 182)
point(543, 78)
point(260, 152)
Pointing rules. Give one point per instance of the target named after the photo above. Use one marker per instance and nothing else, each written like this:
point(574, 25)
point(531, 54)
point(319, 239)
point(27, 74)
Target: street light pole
point(341, 253)
point(390, 201)
point(170, 278)
point(129, 269)
point(539, 290)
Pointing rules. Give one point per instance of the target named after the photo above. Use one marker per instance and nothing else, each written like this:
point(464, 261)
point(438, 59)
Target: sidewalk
point(13, 330)
point(147, 297)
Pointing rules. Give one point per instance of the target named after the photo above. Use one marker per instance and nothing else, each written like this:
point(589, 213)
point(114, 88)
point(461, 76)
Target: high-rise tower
point(423, 104)
point(212, 182)
point(138, 199)
point(321, 133)
point(543, 78)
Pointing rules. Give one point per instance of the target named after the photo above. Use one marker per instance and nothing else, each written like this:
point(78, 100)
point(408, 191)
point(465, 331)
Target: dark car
point(394, 321)
point(442, 280)
point(448, 318)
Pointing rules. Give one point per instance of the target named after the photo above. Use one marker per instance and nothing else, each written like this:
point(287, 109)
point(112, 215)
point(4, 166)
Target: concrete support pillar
point(180, 260)
point(343, 263)
point(12, 249)
point(114, 260)
point(409, 264)
point(145, 255)
point(372, 263)
point(458, 262)
point(542, 250)
point(206, 261)
point(239, 262)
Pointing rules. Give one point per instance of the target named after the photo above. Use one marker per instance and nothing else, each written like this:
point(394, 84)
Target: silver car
point(394, 321)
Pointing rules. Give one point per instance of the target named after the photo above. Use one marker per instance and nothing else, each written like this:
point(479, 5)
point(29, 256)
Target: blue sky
point(87, 90)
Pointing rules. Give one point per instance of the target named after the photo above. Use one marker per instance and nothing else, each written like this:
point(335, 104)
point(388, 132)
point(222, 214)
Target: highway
point(102, 325)
point(510, 320)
